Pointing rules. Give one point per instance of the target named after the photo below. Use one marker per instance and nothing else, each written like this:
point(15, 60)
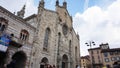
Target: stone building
point(110, 56)
point(21, 35)
point(95, 57)
point(44, 38)
point(103, 56)
point(85, 62)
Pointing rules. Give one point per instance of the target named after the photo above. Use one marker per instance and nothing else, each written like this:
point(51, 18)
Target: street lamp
point(91, 43)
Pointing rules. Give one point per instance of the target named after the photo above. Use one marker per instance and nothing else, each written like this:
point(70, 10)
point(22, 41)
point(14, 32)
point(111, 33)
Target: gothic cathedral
point(42, 39)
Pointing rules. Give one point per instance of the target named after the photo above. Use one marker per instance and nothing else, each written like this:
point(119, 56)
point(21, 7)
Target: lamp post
point(90, 44)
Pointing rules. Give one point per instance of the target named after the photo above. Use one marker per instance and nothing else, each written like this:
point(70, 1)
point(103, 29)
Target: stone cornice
point(30, 17)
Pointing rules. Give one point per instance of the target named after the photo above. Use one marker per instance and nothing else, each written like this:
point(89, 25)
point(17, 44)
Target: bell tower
point(41, 6)
point(65, 4)
point(57, 2)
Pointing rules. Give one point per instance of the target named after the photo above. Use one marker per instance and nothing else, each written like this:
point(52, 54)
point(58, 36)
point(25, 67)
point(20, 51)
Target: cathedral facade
point(42, 39)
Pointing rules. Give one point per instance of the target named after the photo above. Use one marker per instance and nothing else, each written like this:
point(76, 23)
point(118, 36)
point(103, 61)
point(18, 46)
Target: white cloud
point(30, 8)
point(99, 25)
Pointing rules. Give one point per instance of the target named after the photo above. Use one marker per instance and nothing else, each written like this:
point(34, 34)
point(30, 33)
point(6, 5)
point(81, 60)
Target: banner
point(4, 42)
point(3, 48)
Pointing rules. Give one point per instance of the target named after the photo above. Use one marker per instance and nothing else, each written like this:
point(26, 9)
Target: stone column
point(69, 64)
point(60, 64)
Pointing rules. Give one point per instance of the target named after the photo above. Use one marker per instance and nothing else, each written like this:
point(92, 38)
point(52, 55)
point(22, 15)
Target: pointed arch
point(65, 61)
point(76, 53)
point(59, 38)
point(70, 46)
point(46, 38)
point(44, 62)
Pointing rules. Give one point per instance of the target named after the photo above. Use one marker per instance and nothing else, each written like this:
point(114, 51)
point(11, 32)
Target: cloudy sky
point(94, 20)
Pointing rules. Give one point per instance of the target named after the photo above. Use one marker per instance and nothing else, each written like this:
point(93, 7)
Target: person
point(11, 65)
point(5, 66)
point(53, 66)
point(47, 66)
point(50, 66)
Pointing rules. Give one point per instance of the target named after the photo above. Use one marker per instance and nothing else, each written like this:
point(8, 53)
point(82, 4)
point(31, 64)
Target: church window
point(59, 41)
point(59, 38)
point(76, 53)
point(46, 39)
point(65, 29)
point(70, 46)
point(24, 35)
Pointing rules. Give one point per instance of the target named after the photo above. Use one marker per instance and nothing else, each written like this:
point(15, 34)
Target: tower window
point(65, 29)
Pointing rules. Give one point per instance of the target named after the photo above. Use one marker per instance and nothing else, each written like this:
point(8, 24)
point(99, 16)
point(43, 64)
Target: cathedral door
point(44, 63)
point(64, 61)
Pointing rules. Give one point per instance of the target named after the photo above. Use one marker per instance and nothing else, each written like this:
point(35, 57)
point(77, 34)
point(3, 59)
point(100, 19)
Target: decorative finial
point(21, 12)
point(24, 7)
point(42, 0)
point(57, 2)
point(41, 4)
point(65, 4)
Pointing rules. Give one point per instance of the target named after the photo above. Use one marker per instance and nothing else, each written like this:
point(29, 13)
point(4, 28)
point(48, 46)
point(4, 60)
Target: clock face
point(65, 29)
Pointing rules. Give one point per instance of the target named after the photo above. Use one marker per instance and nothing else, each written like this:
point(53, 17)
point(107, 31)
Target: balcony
point(15, 44)
point(6, 40)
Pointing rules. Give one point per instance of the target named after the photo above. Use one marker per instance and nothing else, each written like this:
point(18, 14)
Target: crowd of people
point(50, 66)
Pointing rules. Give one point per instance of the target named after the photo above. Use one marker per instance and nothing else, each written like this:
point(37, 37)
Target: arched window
point(24, 35)
point(65, 61)
point(3, 28)
point(59, 38)
point(65, 29)
point(70, 46)
point(3, 24)
point(46, 38)
point(76, 53)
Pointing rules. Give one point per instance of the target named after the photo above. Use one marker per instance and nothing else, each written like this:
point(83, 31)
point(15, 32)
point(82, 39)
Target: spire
point(65, 4)
point(41, 4)
point(42, 1)
point(57, 2)
point(21, 12)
